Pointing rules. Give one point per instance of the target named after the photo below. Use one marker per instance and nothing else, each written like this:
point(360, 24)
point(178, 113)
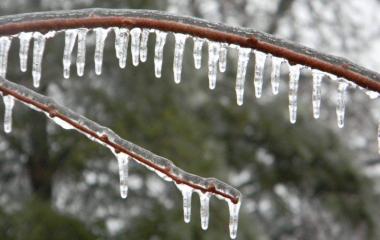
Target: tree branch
point(91, 18)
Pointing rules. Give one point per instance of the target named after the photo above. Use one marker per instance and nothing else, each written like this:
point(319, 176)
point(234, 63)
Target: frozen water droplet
point(61, 123)
point(123, 160)
point(38, 51)
point(186, 194)
point(180, 40)
point(144, 44)
point(5, 44)
point(158, 52)
point(213, 57)
point(24, 38)
point(340, 107)
point(205, 202)
point(372, 94)
point(275, 75)
point(101, 35)
point(223, 57)
point(135, 45)
point(197, 52)
point(81, 54)
point(317, 81)
point(294, 74)
point(121, 45)
point(260, 58)
point(241, 72)
point(70, 37)
point(234, 218)
point(9, 103)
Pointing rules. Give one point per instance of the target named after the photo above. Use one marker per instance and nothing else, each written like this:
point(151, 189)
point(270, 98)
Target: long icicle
point(234, 218)
point(135, 45)
point(240, 73)
point(159, 52)
point(9, 103)
point(121, 45)
point(5, 44)
point(123, 160)
point(101, 35)
point(341, 104)
point(38, 51)
point(81, 52)
point(186, 194)
point(213, 57)
point(180, 40)
point(24, 38)
point(144, 44)
point(205, 212)
point(223, 57)
point(260, 58)
point(275, 74)
point(294, 74)
point(317, 84)
point(70, 38)
point(197, 51)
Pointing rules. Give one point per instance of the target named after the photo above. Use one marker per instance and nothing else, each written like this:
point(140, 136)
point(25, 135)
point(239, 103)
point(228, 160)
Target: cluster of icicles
point(217, 61)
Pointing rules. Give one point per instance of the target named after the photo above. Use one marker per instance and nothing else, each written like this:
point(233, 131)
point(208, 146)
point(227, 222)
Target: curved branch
point(71, 120)
point(91, 18)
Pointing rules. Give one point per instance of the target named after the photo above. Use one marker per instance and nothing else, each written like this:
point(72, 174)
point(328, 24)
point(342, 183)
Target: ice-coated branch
point(125, 150)
point(243, 37)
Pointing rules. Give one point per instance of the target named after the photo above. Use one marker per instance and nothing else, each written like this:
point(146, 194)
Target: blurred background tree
point(302, 181)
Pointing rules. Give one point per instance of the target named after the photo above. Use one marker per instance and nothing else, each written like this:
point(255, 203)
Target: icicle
point(213, 57)
point(123, 160)
point(186, 194)
point(135, 45)
point(340, 107)
point(5, 43)
point(24, 38)
point(240, 74)
point(180, 40)
point(259, 72)
point(317, 79)
point(197, 51)
point(81, 54)
point(70, 38)
point(38, 51)
point(158, 52)
point(121, 45)
point(223, 57)
point(275, 75)
point(101, 34)
point(205, 202)
point(294, 74)
point(9, 102)
point(234, 218)
point(144, 44)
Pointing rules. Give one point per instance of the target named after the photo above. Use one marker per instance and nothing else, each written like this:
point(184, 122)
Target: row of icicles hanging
point(217, 61)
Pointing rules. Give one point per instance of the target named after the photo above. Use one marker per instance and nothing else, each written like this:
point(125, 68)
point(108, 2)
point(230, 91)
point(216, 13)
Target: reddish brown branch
point(114, 142)
point(91, 18)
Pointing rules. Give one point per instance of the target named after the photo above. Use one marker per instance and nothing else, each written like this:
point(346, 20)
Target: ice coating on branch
point(186, 191)
point(197, 51)
point(5, 44)
point(135, 45)
point(340, 106)
point(121, 45)
point(234, 218)
point(24, 38)
point(123, 160)
point(243, 59)
point(9, 103)
point(213, 57)
point(70, 38)
point(144, 44)
point(294, 74)
point(180, 40)
point(317, 84)
point(275, 74)
point(205, 212)
point(63, 124)
point(81, 53)
point(100, 37)
point(38, 51)
point(260, 58)
point(159, 52)
point(223, 57)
